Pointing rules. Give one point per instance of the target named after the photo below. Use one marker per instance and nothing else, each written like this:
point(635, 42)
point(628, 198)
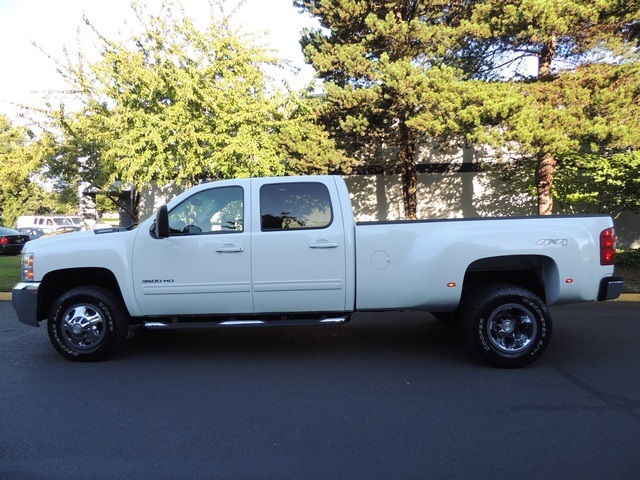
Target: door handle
point(324, 245)
point(229, 249)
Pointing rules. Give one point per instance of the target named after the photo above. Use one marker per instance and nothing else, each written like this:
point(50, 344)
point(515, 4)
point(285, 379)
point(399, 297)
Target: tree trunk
point(410, 189)
point(407, 157)
point(546, 57)
point(132, 206)
point(136, 198)
point(546, 161)
point(544, 182)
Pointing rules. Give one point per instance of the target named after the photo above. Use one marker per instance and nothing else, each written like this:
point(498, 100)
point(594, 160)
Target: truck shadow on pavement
point(402, 335)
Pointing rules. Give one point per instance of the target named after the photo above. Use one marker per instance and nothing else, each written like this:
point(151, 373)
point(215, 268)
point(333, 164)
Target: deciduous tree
point(180, 104)
point(21, 160)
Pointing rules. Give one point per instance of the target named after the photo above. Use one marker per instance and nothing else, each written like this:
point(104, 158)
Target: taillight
point(608, 246)
point(4, 241)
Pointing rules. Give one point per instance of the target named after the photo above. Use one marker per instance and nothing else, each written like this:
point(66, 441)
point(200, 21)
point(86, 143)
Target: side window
point(217, 210)
point(294, 206)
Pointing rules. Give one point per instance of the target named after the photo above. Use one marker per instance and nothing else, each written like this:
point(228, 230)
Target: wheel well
point(536, 273)
point(56, 283)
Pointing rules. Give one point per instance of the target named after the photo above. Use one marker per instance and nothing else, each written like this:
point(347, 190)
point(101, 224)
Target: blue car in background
point(32, 232)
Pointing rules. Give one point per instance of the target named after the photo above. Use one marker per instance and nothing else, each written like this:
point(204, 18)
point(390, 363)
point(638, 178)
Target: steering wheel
point(192, 229)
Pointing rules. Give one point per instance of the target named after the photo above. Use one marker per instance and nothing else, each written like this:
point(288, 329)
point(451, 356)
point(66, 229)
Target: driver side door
point(204, 266)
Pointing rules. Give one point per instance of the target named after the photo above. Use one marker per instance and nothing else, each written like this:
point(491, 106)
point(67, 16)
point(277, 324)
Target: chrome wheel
point(508, 324)
point(511, 328)
point(88, 324)
point(83, 327)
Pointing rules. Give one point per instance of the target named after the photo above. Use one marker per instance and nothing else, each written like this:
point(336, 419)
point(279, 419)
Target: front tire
point(88, 324)
point(509, 325)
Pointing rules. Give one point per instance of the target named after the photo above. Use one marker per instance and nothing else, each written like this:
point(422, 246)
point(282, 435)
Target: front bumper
point(25, 301)
point(610, 288)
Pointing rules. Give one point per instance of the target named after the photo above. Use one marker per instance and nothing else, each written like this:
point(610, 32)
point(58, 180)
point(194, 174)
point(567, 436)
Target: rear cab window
point(287, 206)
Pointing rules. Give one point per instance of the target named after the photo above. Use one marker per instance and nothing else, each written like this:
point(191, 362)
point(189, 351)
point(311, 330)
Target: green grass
point(9, 272)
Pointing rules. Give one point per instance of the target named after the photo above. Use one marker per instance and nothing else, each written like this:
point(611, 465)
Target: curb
point(629, 297)
point(625, 297)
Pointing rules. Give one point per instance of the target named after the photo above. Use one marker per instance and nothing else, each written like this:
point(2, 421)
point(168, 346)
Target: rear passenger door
point(298, 247)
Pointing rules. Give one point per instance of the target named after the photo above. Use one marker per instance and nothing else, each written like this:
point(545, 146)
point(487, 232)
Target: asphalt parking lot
point(385, 396)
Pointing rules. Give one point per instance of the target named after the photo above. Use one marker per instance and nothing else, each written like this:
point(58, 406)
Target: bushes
point(628, 258)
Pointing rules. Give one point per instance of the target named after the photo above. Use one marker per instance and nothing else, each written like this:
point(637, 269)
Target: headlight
point(27, 267)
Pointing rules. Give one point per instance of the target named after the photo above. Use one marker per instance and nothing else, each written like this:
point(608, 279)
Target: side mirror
point(162, 222)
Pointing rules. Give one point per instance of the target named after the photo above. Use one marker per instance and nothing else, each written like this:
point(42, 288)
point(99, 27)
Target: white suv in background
point(48, 223)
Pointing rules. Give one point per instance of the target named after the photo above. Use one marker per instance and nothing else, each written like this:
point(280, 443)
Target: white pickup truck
point(286, 251)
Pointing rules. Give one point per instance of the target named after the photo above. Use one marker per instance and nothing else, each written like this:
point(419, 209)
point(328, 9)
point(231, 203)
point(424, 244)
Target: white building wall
point(456, 195)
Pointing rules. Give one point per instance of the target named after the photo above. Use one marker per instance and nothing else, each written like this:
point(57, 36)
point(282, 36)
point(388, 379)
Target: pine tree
point(561, 36)
point(397, 71)
point(380, 63)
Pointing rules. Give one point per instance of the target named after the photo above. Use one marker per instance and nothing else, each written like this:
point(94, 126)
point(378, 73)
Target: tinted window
point(217, 210)
point(294, 205)
point(62, 221)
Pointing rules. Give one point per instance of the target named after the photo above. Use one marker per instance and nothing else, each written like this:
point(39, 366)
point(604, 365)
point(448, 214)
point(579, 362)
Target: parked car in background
point(12, 241)
point(55, 224)
point(76, 220)
point(32, 232)
point(35, 233)
point(48, 223)
point(61, 230)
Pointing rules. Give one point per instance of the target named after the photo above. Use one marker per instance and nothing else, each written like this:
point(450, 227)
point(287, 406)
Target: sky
point(26, 73)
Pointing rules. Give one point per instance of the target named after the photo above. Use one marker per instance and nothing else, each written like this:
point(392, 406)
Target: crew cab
point(287, 251)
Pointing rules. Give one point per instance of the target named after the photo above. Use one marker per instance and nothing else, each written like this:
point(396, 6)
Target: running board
point(177, 324)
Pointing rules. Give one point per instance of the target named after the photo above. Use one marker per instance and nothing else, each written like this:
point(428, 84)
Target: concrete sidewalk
point(625, 297)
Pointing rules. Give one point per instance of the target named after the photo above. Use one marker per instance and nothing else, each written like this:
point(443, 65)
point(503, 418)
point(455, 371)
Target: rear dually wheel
point(509, 325)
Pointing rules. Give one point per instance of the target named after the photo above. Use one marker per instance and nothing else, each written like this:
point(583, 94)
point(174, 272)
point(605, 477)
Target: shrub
point(628, 258)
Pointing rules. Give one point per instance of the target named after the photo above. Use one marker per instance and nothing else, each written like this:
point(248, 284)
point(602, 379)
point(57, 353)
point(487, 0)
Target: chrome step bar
point(177, 324)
